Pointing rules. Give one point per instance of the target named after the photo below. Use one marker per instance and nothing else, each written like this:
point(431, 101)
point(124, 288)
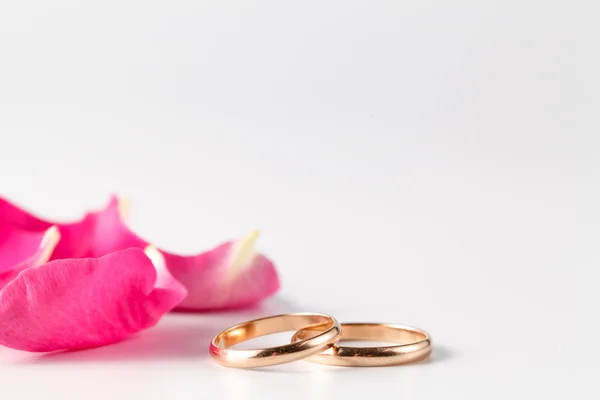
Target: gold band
point(415, 345)
point(329, 332)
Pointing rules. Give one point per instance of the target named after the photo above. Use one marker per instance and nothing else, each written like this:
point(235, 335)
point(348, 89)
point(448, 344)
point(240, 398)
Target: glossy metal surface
point(329, 331)
point(415, 345)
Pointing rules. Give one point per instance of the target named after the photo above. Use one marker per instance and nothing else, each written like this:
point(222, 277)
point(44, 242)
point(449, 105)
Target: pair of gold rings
point(315, 340)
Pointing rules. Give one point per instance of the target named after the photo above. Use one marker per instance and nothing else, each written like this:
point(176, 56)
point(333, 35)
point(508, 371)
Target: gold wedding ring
point(415, 345)
point(329, 333)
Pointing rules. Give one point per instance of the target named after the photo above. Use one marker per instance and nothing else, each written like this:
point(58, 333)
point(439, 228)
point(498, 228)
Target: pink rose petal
point(229, 276)
point(79, 303)
point(21, 249)
point(10, 214)
point(76, 236)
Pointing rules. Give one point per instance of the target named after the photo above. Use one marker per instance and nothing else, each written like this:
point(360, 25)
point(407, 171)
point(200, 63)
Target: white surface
point(408, 161)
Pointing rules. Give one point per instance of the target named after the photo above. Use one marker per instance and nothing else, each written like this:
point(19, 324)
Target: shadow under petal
point(178, 336)
point(163, 342)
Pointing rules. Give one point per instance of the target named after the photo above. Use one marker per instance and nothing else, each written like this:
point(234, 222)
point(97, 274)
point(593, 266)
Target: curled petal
point(111, 233)
point(21, 249)
point(232, 275)
point(79, 303)
point(10, 214)
point(76, 237)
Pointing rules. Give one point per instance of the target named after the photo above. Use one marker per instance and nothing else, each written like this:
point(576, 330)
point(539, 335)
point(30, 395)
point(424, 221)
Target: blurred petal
point(21, 249)
point(79, 303)
point(232, 275)
point(10, 214)
point(76, 237)
point(111, 233)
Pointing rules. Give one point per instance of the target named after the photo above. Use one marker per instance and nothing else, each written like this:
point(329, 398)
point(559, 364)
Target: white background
point(406, 161)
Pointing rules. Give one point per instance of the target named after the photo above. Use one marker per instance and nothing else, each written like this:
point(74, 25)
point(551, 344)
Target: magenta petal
point(224, 277)
point(76, 237)
point(21, 249)
point(10, 214)
point(231, 275)
point(78, 303)
point(210, 290)
point(111, 233)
